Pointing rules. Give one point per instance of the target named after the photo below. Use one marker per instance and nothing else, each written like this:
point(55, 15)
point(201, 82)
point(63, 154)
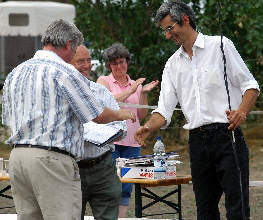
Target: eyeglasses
point(169, 29)
point(121, 62)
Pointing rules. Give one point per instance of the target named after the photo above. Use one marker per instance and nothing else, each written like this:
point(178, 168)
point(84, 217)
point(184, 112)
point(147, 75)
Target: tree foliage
point(130, 22)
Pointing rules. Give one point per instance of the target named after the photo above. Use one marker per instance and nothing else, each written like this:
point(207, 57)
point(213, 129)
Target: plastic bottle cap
point(159, 138)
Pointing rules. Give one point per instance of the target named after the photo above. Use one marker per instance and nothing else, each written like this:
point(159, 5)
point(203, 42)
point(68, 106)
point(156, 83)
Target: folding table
point(143, 184)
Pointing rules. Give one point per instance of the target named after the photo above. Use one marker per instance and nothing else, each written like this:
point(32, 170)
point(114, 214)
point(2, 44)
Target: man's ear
point(68, 45)
point(185, 19)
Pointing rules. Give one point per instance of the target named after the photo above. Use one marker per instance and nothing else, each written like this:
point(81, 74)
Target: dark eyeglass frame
point(169, 29)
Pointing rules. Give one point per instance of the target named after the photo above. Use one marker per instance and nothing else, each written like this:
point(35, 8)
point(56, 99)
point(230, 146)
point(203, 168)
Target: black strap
point(229, 106)
point(223, 53)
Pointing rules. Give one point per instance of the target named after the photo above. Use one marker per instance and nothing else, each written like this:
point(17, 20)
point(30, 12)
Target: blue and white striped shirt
point(46, 101)
point(106, 99)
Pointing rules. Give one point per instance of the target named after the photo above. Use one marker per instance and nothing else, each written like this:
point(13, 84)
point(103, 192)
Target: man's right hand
point(125, 114)
point(141, 134)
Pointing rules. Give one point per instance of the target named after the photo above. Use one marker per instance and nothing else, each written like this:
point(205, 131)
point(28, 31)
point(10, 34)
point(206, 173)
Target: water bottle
point(159, 153)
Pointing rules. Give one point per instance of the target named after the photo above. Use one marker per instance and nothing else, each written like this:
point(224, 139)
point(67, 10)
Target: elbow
point(106, 116)
point(102, 118)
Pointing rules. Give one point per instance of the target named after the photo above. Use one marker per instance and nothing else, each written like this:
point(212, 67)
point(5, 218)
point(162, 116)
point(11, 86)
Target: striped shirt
point(107, 100)
point(46, 101)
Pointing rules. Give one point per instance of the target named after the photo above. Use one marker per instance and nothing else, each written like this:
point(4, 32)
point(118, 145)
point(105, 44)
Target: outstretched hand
point(148, 87)
point(141, 134)
point(235, 118)
point(135, 85)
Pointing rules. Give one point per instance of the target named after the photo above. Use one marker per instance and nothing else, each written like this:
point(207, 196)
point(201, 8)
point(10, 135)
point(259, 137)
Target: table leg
point(179, 202)
point(138, 201)
point(4, 190)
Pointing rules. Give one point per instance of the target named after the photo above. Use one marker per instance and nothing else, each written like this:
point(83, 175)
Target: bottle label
point(159, 162)
point(170, 172)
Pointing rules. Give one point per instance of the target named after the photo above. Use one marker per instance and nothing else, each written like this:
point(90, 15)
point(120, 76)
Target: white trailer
point(21, 26)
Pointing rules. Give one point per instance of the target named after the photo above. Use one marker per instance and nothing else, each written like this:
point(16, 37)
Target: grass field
point(254, 139)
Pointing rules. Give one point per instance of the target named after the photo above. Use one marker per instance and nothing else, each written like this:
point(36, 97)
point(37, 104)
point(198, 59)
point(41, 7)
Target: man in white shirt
point(194, 77)
point(100, 184)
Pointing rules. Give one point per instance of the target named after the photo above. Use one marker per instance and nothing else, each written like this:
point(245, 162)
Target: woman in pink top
point(124, 89)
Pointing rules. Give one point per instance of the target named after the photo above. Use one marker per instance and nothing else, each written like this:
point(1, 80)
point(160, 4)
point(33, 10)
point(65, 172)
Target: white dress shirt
point(198, 84)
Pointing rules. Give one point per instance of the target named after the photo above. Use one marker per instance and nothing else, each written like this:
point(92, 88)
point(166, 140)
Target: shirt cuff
point(251, 84)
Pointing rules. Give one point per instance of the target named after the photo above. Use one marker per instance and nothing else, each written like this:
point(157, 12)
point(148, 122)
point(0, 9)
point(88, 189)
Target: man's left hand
point(235, 118)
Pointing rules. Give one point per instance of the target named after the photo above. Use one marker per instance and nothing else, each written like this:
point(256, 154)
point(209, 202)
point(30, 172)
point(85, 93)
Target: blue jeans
point(125, 152)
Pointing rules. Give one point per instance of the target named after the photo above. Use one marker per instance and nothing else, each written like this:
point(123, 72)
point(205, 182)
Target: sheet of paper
point(100, 133)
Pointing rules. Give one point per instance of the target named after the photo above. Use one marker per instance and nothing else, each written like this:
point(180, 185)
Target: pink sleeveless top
point(115, 88)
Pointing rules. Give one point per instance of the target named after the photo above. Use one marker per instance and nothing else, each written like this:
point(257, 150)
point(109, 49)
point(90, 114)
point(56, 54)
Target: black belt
point(55, 149)
point(209, 127)
point(86, 163)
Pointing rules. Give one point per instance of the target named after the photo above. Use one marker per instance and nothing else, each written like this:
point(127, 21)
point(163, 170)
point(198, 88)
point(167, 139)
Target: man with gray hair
point(194, 77)
point(45, 102)
point(100, 184)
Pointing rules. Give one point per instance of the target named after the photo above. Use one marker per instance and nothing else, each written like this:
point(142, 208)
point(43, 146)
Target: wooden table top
point(159, 182)
point(4, 178)
point(145, 182)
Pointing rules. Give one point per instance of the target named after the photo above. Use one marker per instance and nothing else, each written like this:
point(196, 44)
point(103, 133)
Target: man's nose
point(168, 35)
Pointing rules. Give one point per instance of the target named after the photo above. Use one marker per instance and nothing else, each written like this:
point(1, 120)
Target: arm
point(161, 117)
point(241, 77)
point(5, 112)
point(77, 91)
point(236, 117)
point(110, 102)
point(142, 112)
point(123, 95)
point(154, 123)
point(109, 115)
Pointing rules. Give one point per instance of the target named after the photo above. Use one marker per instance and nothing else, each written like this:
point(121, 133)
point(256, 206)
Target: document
point(102, 134)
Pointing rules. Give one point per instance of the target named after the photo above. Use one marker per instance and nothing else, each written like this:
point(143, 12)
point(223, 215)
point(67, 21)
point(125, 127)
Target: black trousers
point(101, 188)
point(215, 171)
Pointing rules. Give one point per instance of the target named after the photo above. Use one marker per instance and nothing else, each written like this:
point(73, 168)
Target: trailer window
point(16, 19)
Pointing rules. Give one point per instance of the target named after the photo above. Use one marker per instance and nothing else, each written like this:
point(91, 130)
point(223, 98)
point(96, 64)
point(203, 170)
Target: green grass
point(5, 150)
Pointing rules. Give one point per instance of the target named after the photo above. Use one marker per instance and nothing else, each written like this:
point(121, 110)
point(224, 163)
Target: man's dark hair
point(176, 10)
